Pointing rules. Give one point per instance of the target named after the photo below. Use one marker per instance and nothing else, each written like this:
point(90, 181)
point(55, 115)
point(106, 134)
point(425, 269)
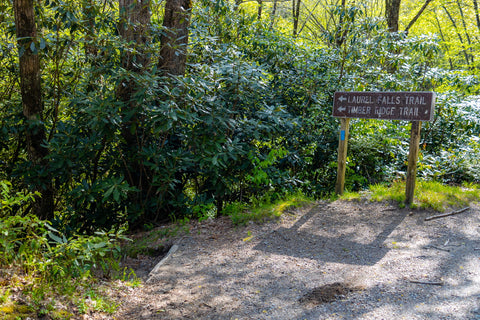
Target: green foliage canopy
point(251, 116)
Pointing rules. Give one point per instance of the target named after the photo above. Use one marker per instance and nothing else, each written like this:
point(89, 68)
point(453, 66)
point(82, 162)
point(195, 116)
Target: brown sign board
point(413, 106)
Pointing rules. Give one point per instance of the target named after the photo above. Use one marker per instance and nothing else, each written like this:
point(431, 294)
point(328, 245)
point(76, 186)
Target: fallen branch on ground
point(434, 283)
point(152, 273)
point(446, 214)
point(438, 248)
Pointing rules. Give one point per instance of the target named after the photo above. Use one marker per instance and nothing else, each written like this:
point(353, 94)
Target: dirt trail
point(340, 260)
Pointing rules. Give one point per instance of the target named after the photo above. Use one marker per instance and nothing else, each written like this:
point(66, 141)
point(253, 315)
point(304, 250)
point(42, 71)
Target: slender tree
point(174, 39)
point(273, 14)
point(442, 36)
point(419, 13)
point(296, 15)
point(460, 38)
point(133, 27)
point(260, 9)
point(173, 60)
point(31, 90)
point(465, 30)
point(392, 14)
point(88, 8)
point(342, 29)
point(477, 15)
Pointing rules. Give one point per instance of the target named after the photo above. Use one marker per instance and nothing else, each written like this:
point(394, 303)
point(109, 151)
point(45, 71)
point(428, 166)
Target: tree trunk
point(133, 27)
point(92, 54)
point(477, 15)
point(442, 36)
point(274, 13)
point(174, 39)
point(89, 17)
point(296, 15)
point(392, 13)
point(260, 9)
point(31, 90)
point(341, 28)
point(460, 38)
point(465, 30)
point(172, 62)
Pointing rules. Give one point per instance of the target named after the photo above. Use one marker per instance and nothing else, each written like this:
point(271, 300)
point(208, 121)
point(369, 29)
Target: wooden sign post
point(342, 155)
point(412, 161)
point(412, 106)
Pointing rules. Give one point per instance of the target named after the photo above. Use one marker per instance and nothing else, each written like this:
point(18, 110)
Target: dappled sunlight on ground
point(383, 263)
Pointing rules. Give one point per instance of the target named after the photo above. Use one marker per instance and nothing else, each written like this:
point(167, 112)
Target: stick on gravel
point(446, 214)
point(434, 283)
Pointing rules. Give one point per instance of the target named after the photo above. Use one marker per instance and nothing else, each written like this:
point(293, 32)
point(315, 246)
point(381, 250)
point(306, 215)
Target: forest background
point(133, 113)
point(123, 115)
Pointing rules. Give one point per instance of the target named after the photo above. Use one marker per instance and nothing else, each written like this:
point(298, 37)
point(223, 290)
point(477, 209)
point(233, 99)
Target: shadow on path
point(335, 235)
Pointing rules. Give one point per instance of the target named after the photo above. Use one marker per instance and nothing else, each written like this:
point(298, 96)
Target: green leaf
point(55, 238)
point(48, 226)
point(108, 193)
point(116, 195)
point(33, 48)
point(21, 51)
point(100, 245)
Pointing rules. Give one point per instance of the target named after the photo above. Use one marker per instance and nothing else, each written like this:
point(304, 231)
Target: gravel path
point(340, 260)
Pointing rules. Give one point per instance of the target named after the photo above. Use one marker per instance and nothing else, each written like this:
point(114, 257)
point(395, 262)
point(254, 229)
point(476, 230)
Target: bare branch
point(446, 214)
point(419, 13)
point(435, 283)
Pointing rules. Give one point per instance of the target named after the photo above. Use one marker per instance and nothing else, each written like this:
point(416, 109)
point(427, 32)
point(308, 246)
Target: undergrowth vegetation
point(53, 275)
point(250, 118)
point(245, 130)
point(265, 209)
point(429, 194)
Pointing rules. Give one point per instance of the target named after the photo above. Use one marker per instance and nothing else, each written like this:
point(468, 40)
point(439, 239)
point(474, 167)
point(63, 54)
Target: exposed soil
point(328, 293)
point(340, 260)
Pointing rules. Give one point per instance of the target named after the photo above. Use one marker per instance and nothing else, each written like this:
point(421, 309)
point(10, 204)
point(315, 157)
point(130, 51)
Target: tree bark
point(31, 91)
point(260, 9)
point(133, 27)
point(172, 62)
point(296, 15)
point(341, 28)
point(174, 40)
point(392, 13)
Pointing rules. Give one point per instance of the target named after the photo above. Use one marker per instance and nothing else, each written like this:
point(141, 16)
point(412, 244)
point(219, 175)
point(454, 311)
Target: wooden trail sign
point(413, 106)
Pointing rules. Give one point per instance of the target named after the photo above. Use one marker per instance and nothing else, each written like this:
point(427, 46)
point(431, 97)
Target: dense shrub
point(250, 118)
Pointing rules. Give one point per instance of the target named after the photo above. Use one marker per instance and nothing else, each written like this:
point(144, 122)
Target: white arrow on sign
point(341, 109)
point(342, 98)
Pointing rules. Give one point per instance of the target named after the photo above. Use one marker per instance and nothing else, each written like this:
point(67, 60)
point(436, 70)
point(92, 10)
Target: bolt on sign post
point(411, 106)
